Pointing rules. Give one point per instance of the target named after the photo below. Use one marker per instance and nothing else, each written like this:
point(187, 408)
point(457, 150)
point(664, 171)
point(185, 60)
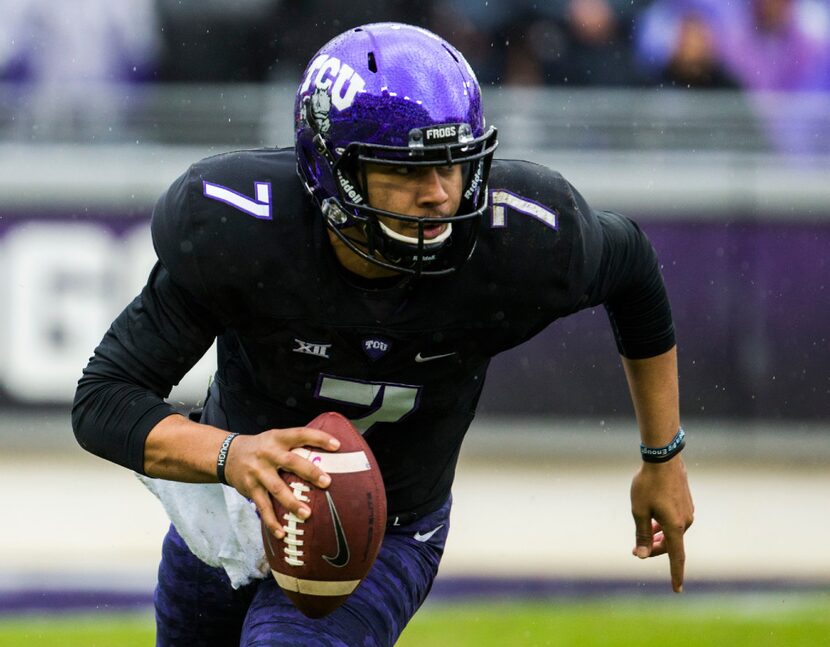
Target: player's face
point(423, 191)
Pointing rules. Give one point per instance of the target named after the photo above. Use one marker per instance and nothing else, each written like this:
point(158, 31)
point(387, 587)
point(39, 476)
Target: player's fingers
point(677, 556)
point(300, 436)
point(285, 495)
point(266, 513)
point(306, 469)
point(644, 536)
point(658, 544)
point(285, 449)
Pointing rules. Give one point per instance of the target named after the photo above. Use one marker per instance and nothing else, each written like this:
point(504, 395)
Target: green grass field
point(787, 620)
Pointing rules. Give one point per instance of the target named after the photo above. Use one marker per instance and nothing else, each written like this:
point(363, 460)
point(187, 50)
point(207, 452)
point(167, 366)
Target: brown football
point(321, 561)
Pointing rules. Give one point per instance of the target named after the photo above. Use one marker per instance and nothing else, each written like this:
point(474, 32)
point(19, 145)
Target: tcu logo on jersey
point(336, 78)
point(375, 347)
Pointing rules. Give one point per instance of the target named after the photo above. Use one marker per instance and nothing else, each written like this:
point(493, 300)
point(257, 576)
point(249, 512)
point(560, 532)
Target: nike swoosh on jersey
point(429, 358)
point(341, 557)
point(427, 535)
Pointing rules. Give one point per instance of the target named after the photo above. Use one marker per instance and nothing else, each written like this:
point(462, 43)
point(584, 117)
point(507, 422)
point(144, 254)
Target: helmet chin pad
point(415, 242)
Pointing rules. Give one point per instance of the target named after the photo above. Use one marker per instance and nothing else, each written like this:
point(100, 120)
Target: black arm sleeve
point(147, 350)
point(629, 283)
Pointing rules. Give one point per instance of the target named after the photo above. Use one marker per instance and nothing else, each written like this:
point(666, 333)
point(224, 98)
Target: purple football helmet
point(392, 94)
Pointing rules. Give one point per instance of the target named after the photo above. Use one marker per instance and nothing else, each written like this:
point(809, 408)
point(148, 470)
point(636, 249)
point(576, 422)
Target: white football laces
point(293, 534)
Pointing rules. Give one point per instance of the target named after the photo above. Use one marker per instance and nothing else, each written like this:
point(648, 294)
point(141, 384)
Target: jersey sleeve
point(149, 347)
point(628, 282)
point(553, 255)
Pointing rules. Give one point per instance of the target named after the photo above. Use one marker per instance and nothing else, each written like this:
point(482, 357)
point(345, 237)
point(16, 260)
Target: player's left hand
point(663, 510)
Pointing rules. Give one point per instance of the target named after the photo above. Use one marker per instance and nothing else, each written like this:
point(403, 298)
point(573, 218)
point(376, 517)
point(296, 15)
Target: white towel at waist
point(219, 526)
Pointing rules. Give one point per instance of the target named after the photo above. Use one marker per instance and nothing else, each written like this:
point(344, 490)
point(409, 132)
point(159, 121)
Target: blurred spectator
point(217, 40)
point(70, 59)
point(784, 45)
point(304, 26)
point(778, 44)
point(694, 61)
point(475, 28)
point(598, 44)
point(764, 45)
point(578, 42)
point(261, 40)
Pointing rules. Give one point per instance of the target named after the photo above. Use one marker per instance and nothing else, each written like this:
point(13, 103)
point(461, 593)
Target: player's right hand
point(253, 463)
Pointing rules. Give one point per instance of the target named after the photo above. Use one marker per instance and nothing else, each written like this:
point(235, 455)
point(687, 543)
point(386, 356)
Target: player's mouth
point(432, 231)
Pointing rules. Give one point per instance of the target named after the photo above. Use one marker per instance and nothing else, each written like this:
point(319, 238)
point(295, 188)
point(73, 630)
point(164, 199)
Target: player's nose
point(431, 189)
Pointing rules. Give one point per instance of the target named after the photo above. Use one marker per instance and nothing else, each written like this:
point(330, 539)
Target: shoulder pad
point(229, 219)
point(544, 230)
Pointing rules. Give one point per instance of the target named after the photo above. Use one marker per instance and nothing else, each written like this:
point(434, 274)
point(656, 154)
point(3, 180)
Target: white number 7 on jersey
point(386, 402)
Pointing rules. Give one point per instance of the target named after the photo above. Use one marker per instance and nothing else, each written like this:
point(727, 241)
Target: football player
point(374, 269)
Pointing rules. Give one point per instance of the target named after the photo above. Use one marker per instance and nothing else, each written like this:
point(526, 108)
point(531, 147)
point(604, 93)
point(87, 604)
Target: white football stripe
point(314, 587)
point(336, 463)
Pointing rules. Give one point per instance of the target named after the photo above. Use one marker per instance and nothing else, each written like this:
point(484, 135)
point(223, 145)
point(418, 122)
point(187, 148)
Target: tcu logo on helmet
point(338, 79)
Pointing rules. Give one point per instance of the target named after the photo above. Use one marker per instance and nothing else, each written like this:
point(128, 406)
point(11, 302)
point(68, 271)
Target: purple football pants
point(196, 606)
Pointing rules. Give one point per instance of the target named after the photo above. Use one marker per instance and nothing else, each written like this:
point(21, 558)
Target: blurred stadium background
point(708, 122)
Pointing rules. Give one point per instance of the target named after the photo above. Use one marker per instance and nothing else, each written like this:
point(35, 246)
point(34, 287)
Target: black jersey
point(244, 257)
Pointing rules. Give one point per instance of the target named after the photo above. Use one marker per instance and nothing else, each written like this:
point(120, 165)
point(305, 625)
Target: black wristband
point(662, 454)
point(223, 457)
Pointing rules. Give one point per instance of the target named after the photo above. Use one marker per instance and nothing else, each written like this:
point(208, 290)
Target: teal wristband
point(662, 454)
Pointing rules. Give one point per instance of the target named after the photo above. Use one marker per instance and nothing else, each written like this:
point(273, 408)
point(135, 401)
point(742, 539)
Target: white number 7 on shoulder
point(501, 199)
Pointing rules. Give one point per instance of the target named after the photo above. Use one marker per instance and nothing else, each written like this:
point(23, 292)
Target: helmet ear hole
point(373, 65)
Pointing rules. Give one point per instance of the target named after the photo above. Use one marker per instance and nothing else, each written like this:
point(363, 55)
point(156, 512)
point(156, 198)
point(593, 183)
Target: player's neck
point(356, 264)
